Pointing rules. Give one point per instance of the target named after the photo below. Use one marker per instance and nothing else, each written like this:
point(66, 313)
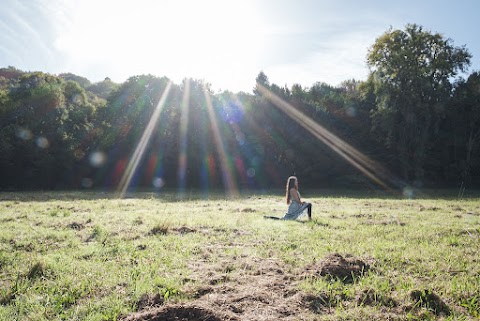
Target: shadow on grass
point(165, 195)
point(172, 195)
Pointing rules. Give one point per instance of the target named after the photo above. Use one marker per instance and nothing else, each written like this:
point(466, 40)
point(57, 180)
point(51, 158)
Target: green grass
point(90, 256)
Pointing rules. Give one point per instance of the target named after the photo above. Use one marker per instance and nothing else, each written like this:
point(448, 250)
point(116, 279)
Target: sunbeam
point(143, 143)
point(369, 168)
point(182, 157)
point(254, 167)
point(228, 178)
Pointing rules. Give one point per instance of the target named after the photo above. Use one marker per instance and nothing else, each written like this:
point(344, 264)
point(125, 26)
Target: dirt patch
point(29, 247)
point(473, 213)
point(323, 302)
point(431, 301)
point(164, 229)
point(184, 230)
point(159, 230)
point(371, 298)
point(369, 216)
point(252, 288)
point(148, 301)
point(243, 289)
point(76, 226)
point(209, 231)
point(36, 271)
point(338, 267)
point(179, 313)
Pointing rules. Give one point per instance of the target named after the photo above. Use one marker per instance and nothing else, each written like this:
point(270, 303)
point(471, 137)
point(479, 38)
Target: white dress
point(295, 209)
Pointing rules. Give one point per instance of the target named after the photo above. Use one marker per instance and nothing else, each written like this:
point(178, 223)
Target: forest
point(415, 121)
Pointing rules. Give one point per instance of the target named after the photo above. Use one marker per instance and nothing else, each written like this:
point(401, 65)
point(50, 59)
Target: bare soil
point(178, 313)
point(338, 267)
point(248, 288)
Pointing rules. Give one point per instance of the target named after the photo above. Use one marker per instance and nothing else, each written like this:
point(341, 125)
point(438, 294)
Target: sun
point(212, 40)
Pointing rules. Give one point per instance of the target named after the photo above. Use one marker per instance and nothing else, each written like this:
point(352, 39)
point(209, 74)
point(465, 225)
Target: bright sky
point(225, 42)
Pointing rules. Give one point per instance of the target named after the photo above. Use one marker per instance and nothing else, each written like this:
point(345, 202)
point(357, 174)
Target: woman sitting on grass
point(296, 207)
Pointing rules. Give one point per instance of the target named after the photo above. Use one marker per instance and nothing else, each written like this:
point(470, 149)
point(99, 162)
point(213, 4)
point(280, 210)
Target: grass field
point(91, 256)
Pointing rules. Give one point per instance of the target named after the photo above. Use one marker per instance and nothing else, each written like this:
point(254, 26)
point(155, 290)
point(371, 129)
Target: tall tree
point(411, 74)
point(466, 121)
point(104, 88)
point(128, 115)
point(32, 125)
point(262, 80)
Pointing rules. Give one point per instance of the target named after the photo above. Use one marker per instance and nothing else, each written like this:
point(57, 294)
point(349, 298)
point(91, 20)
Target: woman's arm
point(294, 195)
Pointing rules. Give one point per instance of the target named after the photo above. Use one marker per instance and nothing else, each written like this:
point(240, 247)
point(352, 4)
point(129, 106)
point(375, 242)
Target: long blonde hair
point(290, 184)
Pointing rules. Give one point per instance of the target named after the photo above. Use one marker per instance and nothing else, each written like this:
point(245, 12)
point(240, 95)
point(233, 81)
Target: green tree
point(129, 110)
point(77, 127)
point(411, 74)
point(37, 110)
point(104, 88)
point(45, 127)
point(261, 80)
point(82, 81)
point(9, 75)
point(465, 116)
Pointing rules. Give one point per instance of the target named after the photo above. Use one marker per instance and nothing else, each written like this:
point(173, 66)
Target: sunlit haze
point(208, 40)
point(225, 43)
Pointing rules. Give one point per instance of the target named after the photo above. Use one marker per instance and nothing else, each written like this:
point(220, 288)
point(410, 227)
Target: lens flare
point(97, 159)
point(228, 178)
point(182, 157)
point(24, 133)
point(158, 182)
point(143, 143)
point(86, 182)
point(369, 168)
point(42, 142)
point(151, 167)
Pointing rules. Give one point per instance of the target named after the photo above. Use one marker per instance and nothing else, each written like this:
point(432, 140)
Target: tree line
point(417, 115)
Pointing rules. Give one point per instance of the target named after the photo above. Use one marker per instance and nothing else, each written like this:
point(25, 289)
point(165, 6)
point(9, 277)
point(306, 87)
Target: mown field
point(91, 256)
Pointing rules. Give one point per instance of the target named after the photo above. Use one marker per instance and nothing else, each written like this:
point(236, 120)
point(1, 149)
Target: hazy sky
point(226, 43)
